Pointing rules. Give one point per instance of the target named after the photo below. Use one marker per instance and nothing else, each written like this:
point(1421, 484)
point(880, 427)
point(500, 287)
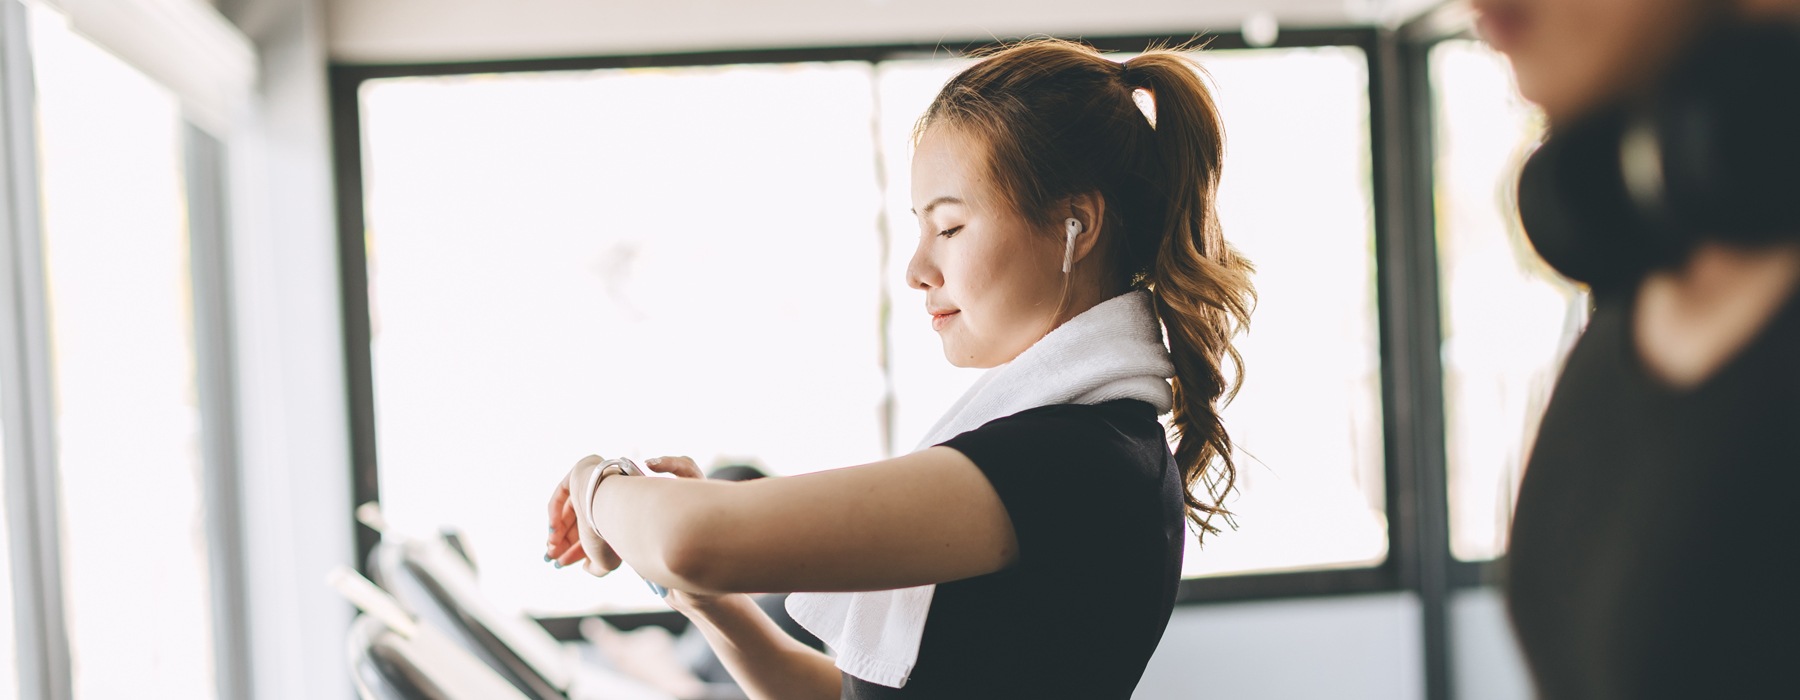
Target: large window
point(116, 256)
point(1295, 199)
point(1508, 319)
point(622, 262)
point(692, 260)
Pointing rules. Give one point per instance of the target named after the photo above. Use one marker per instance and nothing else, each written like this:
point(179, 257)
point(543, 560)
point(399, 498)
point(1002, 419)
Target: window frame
point(210, 67)
point(1418, 558)
point(40, 631)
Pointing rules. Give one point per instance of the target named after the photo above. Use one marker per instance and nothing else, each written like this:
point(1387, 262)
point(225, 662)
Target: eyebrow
point(945, 199)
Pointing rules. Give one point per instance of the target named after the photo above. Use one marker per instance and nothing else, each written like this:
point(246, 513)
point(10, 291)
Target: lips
point(940, 317)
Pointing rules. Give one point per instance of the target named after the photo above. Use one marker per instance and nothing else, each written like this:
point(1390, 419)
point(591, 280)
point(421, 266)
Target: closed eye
point(947, 233)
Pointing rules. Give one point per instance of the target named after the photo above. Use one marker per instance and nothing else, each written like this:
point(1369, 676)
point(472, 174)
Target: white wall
point(1486, 661)
point(411, 31)
point(1344, 648)
point(289, 326)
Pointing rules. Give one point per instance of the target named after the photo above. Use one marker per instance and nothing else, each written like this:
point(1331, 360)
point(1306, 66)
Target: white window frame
point(190, 49)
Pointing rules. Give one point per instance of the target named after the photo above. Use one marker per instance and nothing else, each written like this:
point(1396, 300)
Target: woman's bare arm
point(767, 662)
point(927, 517)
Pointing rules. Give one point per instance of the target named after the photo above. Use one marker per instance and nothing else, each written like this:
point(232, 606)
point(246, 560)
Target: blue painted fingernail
point(546, 559)
point(558, 565)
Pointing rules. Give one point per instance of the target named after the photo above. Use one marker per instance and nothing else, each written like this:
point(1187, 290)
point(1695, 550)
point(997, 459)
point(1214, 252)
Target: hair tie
point(1133, 77)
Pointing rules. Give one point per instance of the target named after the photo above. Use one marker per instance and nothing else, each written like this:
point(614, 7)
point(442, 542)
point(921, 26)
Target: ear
point(1090, 209)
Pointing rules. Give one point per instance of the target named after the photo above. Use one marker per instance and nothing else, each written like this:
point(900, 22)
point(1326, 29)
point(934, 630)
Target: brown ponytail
point(1202, 286)
point(1059, 119)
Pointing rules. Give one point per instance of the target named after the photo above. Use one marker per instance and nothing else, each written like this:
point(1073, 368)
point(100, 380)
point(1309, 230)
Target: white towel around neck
point(1110, 352)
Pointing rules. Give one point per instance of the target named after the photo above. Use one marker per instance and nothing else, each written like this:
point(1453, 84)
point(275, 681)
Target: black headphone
point(1712, 152)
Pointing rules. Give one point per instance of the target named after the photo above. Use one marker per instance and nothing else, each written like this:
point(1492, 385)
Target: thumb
point(679, 466)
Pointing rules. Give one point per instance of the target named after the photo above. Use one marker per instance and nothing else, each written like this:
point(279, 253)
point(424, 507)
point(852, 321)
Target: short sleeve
point(1070, 475)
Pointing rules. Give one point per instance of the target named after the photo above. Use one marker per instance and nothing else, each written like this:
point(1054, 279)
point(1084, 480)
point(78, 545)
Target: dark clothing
point(1656, 545)
point(1096, 501)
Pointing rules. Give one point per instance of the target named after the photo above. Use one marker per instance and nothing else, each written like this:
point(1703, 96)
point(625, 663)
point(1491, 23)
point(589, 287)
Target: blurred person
point(1653, 548)
point(1032, 546)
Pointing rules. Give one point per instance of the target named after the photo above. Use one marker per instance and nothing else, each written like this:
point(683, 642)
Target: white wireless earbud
point(1074, 225)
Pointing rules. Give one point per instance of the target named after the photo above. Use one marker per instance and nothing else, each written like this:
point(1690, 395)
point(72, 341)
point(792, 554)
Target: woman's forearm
point(767, 662)
point(654, 524)
point(662, 528)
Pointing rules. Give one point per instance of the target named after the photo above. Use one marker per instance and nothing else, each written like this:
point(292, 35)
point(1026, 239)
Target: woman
point(1032, 547)
point(1653, 548)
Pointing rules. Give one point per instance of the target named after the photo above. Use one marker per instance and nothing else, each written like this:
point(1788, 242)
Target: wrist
point(598, 477)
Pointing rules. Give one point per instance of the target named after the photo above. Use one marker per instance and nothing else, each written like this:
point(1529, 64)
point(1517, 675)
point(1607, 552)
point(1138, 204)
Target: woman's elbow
point(698, 558)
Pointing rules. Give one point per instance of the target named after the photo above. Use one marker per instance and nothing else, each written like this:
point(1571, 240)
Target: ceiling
point(425, 31)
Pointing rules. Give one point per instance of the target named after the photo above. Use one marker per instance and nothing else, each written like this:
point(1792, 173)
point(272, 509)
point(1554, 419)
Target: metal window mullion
point(1411, 337)
point(28, 404)
point(216, 383)
point(353, 280)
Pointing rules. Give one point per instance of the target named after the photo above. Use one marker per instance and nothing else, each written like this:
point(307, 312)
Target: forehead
point(947, 163)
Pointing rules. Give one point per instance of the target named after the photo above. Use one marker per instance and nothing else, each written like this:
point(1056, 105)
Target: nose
point(921, 272)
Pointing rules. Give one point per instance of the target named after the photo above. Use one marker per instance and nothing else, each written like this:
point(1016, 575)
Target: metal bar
point(216, 381)
point(353, 271)
point(1400, 119)
point(27, 402)
point(1433, 490)
point(1289, 584)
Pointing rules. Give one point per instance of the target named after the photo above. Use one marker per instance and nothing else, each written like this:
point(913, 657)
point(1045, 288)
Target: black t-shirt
point(1095, 499)
point(1656, 548)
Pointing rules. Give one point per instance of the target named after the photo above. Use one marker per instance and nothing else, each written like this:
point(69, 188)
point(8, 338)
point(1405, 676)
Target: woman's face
point(1572, 55)
point(992, 283)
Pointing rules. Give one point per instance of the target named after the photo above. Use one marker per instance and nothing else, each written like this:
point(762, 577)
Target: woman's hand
point(572, 536)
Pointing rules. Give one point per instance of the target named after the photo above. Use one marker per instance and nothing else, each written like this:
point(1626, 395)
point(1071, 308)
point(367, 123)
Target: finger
point(572, 555)
point(563, 530)
point(555, 533)
point(679, 466)
point(559, 498)
point(569, 522)
point(555, 550)
point(562, 523)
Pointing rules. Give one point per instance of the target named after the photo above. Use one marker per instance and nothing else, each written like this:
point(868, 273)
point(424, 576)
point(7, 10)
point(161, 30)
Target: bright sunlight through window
point(115, 230)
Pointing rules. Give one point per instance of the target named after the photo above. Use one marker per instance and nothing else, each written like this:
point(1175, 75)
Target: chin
point(963, 361)
point(962, 357)
point(1562, 97)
